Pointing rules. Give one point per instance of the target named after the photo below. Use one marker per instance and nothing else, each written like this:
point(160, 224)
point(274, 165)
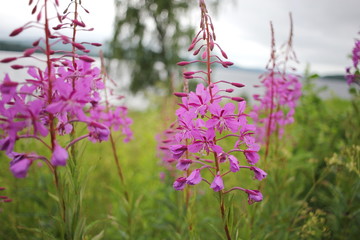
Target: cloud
point(324, 30)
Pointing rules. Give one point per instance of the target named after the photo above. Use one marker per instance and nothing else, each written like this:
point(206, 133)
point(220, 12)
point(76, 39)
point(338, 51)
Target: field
point(311, 191)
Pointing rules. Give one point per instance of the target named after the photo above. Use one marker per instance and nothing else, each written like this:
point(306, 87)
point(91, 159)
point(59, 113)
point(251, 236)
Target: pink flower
point(234, 163)
point(179, 183)
point(194, 177)
point(20, 164)
point(223, 118)
point(217, 184)
point(259, 173)
point(98, 132)
point(205, 142)
point(178, 150)
point(59, 156)
point(254, 196)
point(183, 164)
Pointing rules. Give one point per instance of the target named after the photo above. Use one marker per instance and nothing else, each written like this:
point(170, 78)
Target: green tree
point(149, 35)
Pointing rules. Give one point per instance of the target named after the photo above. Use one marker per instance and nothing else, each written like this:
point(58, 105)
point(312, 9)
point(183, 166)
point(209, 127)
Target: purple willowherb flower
point(276, 108)
point(20, 164)
point(184, 164)
point(51, 100)
point(206, 119)
point(234, 163)
point(223, 118)
point(98, 132)
point(254, 196)
point(179, 183)
point(194, 177)
point(178, 150)
point(251, 152)
point(59, 156)
point(259, 173)
point(217, 184)
point(353, 73)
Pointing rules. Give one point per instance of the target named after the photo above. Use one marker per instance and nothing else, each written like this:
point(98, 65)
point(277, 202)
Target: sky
point(324, 30)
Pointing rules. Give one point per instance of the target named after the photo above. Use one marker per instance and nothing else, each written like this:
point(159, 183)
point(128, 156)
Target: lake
point(337, 88)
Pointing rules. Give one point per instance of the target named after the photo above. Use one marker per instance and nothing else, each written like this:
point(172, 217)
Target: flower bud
point(16, 67)
point(77, 22)
point(16, 32)
point(180, 94)
point(183, 63)
point(238, 99)
point(7, 60)
point(86, 58)
point(239, 85)
point(28, 52)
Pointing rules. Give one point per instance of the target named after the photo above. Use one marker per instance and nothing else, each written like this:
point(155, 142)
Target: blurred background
point(148, 37)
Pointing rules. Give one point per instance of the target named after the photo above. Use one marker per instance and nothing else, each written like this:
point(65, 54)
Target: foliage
point(150, 36)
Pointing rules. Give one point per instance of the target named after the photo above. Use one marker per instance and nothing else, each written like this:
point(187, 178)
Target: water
point(335, 88)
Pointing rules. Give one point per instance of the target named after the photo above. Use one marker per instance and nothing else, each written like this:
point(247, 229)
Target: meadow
point(311, 192)
point(78, 165)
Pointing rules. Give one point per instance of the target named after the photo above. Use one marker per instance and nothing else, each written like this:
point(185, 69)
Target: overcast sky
point(324, 30)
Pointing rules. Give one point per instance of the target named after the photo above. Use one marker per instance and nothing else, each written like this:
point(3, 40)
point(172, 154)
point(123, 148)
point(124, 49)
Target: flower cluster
point(205, 119)
point(353, 73)
point(50, 101)
point(276, 108)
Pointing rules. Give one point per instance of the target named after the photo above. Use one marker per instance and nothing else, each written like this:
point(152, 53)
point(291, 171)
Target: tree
point(149, 35)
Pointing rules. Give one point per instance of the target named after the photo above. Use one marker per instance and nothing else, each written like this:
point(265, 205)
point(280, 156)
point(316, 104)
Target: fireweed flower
point(353, 73)
point(276, 108)
point(20, 164)
point(59, 156)
point(205, 118)
point(51, 100)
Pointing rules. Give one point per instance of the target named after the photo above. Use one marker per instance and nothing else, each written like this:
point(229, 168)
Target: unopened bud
point(86, 58)
point(96, 44)
point(16, 67)
point(239, 85)
point(211, 44)
point(180, 94)
point(77, 22)
point(36, 43)
point(78, 46)
point(183, 63)
point(34, 10)
point(238, 99)
point(224, 54)
point(16, 31)
point(188, 73)
point(28, 52)
point(7, 60)
point(204, 55)
point(191, 47)
point(229, 90)
point(38, 18)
